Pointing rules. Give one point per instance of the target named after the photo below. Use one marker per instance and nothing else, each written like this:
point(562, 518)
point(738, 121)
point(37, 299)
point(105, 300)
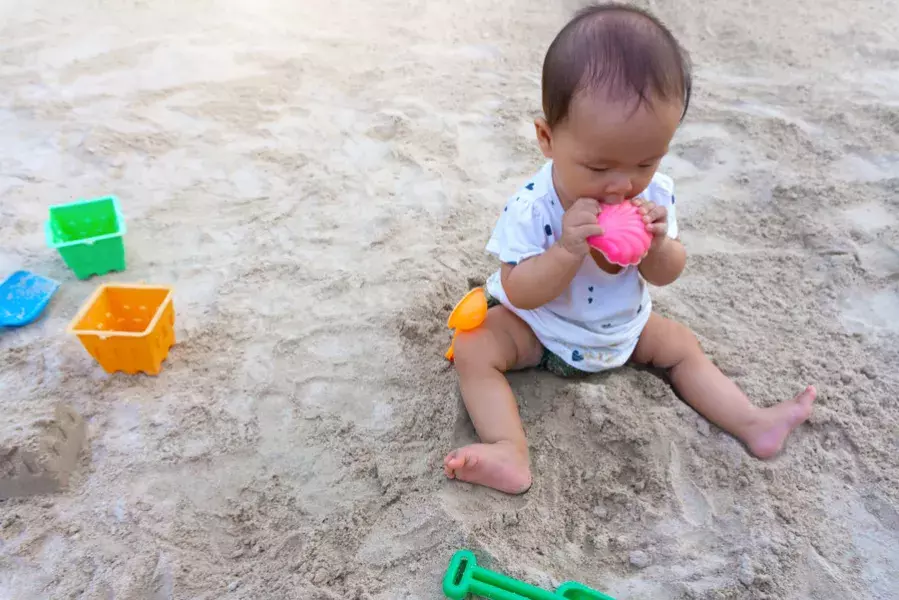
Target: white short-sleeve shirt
point(595, 324)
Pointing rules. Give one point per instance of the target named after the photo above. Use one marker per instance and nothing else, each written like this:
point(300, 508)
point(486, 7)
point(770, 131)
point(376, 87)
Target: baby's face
point(607, 150)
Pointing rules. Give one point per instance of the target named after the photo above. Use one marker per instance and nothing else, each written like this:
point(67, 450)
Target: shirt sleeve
point(663, 195)
point(520, 232)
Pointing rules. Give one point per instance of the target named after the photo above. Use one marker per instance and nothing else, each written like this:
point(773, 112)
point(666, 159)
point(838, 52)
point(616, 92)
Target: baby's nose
point(619, 187)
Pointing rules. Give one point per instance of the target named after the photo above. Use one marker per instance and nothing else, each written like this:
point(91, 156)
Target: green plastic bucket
point(88, 235)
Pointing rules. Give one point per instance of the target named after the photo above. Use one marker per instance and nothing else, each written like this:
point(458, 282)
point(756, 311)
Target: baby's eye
point(649, 166)
point(598, 169)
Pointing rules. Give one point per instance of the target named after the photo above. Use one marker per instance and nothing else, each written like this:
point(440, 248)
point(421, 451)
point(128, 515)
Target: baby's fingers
point(587, 231)
point(644, 206)
point(590, 205)
point(581, 217)
point(657, 229)
point(655, 213)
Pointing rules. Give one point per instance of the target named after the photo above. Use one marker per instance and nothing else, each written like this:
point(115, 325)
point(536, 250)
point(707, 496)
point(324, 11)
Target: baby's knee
point(685, 338)
point(476, 349)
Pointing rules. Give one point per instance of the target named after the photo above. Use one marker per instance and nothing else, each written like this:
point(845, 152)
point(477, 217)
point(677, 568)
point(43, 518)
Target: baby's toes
point(453, 461)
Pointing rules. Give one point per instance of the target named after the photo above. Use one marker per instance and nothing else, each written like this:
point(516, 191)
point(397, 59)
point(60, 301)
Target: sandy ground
point(318, 180)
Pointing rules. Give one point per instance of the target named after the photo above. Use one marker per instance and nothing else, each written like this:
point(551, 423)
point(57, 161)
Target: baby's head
point(616, 85)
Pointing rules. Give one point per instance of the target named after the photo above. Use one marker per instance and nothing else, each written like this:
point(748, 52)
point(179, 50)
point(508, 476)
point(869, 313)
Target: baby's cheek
point(597, 185)
point(640, 185)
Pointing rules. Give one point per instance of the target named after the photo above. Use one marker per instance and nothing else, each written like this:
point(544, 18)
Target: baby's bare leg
point(503, 343)
point(669, 345)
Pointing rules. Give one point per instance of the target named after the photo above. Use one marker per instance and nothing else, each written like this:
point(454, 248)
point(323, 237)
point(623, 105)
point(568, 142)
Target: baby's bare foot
point(767, 434)
point(500, 466)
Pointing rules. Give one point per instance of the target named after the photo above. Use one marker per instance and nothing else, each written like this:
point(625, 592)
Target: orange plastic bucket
point(127, 327)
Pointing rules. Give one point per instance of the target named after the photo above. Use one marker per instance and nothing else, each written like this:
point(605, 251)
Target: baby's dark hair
point(620, 49)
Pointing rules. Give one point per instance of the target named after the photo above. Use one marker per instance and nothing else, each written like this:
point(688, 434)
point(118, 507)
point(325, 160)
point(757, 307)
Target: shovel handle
point(464, 577)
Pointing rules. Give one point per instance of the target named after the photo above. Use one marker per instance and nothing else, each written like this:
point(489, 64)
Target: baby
point(616, 85)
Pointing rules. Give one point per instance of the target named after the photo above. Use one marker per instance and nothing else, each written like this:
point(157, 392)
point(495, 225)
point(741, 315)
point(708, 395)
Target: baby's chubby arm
point(664, 263)
point(667, 257)
point(541, 279)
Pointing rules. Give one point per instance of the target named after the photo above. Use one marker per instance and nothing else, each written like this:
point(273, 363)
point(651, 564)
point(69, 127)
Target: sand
point(318, 180)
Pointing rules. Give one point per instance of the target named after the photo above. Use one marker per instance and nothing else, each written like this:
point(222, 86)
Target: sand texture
point(39, 457)
point(318, 179)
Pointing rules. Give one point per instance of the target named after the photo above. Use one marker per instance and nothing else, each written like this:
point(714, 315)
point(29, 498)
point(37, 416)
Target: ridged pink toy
point(625, 240)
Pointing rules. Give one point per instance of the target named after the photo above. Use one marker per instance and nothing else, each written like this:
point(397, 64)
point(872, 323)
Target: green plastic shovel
point(464, 577)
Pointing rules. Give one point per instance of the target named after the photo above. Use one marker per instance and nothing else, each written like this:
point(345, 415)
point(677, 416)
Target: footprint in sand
point(880, 260)
point(870, 217)
point(879, 256)
point(869, 548)
point(872, 312)
point(697, 509)
point(857, 168)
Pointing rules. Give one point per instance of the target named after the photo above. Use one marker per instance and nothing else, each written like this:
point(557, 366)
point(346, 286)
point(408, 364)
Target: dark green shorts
point(549, 361)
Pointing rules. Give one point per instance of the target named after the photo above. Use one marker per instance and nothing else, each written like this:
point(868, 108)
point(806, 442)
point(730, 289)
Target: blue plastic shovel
point(23, 296)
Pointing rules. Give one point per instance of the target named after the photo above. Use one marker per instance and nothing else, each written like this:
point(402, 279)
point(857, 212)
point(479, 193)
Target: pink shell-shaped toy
point(625, 240)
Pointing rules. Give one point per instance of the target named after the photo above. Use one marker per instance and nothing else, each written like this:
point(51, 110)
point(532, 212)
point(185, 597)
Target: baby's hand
point(579, 223)
point(656, 219)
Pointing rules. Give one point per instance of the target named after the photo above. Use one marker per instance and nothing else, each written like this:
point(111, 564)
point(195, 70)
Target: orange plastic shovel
point(468, 314)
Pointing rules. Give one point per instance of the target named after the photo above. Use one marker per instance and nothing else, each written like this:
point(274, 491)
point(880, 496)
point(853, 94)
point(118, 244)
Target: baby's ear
point(544, 136)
